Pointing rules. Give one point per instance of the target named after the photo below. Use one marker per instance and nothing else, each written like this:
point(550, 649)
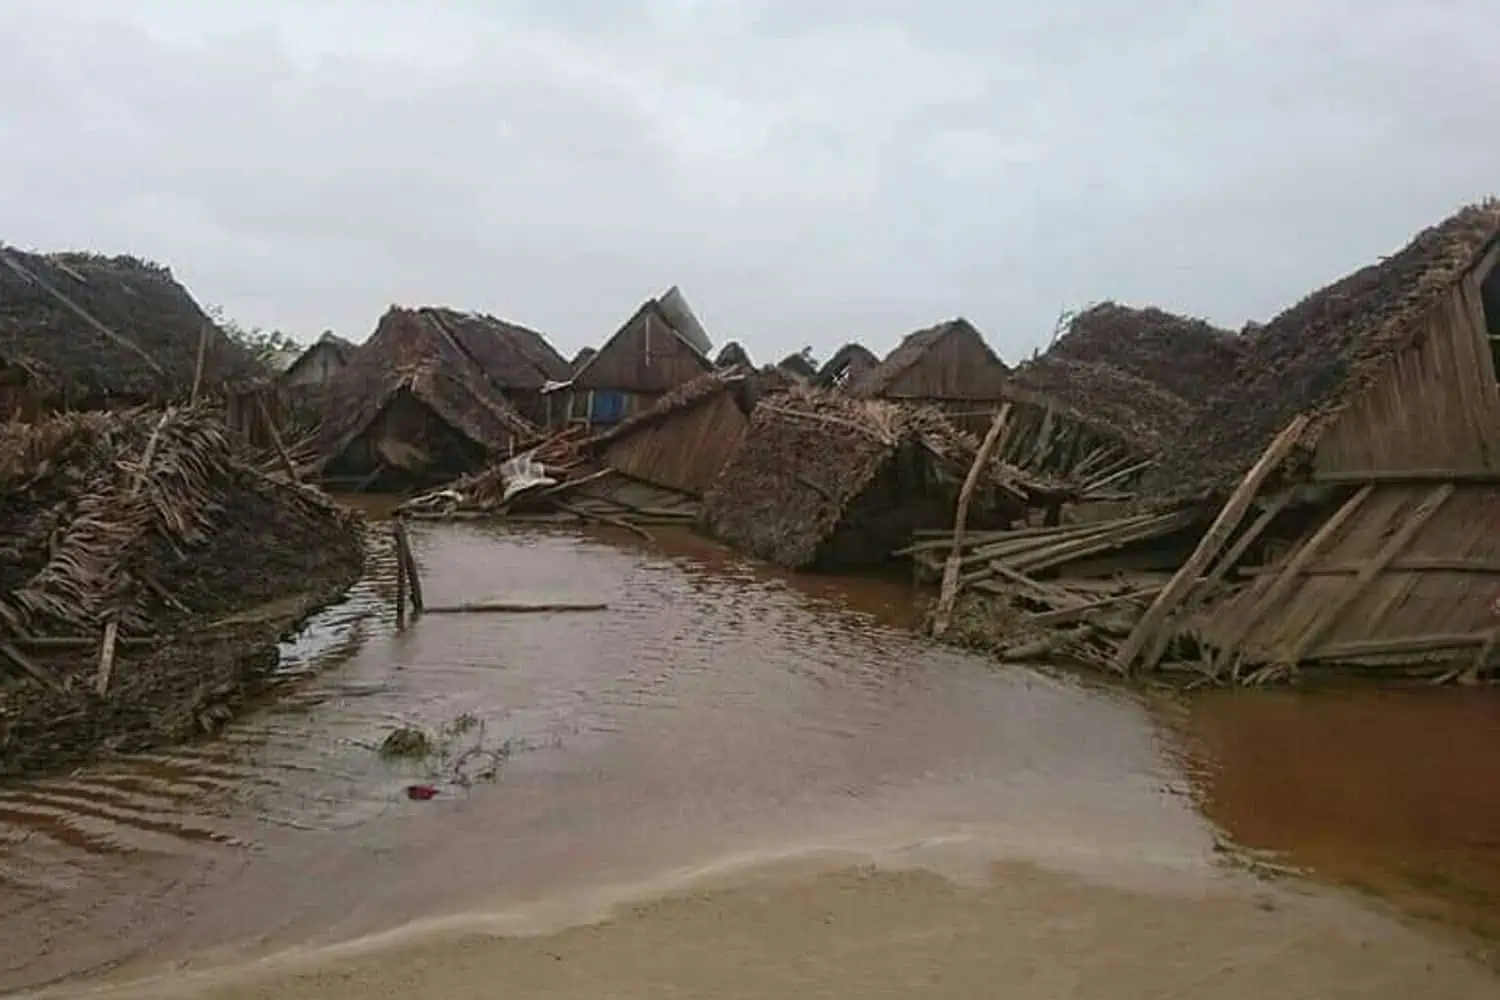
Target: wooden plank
point(1402, 646)
point(1412, 564)
point(1200, 591)
point(1275, 589)
point(1372, 569)
point(1213, 541)
point(1410, 477)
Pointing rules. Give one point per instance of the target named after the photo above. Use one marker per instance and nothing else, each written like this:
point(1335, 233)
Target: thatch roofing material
point(798, 365)
point(512, 357)
point(1189, 357)
point(150, 349)
point(876, 381)
point(810, 453)
point(1114, 404)
point(409, 352)
point(1321, 352)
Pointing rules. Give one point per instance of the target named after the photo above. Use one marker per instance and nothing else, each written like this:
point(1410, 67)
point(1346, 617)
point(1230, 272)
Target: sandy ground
point(863, 932)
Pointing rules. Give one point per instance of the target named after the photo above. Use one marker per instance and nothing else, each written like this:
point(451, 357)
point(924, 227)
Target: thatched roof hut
point(316, 364)
point(415, 404)
point(823, 480)
point(798, 366)
point(1188, 357)
point(683, 441)
point(1362, 429)
point(949, 362)
point(732, 355)
point(162, 521)
point(83, 331)
point(847, 364)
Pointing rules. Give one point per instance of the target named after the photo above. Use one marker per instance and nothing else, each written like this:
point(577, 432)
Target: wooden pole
point(949, 592)
point(413, 578)
point(1213, 541)
point(400, 581)
point(112, 627)
point(275, 436)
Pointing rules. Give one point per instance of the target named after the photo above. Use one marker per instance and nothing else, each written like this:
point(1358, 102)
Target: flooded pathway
point(713, 717)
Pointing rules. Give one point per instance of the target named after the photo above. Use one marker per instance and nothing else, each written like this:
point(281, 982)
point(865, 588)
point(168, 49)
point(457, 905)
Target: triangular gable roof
point(652, 308)
point(733, 353)
point(512, 357)
point(876, 381)
point(798, 365)
point(675, 308)
point(854, 358)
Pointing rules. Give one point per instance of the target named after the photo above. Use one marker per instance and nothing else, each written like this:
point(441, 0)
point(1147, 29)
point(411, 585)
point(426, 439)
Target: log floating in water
point(509, 607)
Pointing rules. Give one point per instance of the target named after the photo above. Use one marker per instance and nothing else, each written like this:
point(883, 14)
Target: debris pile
point(145, 562)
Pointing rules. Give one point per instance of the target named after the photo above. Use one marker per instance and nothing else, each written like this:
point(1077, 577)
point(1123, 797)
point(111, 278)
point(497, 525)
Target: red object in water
point(420, 793)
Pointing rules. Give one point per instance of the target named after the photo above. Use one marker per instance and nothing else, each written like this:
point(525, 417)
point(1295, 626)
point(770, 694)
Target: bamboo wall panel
point(686, 450)
point(1436, 407)
point(1401, 602)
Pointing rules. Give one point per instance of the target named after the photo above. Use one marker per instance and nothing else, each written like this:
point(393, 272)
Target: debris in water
point(421, 793)
point(408, 742)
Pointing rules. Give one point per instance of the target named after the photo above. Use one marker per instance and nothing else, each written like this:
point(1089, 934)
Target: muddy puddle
point(714, 711)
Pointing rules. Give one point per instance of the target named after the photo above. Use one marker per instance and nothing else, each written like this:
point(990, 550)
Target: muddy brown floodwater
point(737, 783)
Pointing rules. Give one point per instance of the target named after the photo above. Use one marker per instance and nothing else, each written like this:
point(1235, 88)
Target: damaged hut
point(82, 332)
point(825, 481)
point(733, 355)
point(584, 355)
point(800, 366)
point(948, 366)
point(846, 365)
point(659, 348)
point(416, 407)
point(149, 565)
point(315, 366)
point(1342, 492)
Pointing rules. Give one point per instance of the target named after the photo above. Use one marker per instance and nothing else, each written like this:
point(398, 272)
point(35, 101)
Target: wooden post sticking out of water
point(949, 590)
point(400, 581)
point(409, 561)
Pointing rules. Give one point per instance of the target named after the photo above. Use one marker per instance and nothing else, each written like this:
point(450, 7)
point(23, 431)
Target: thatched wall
point(139, 341)
point(1190, 358)
point(1322, 353)
point(950, 361)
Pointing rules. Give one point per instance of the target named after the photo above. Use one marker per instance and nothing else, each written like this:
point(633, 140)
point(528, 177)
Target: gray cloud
point(808, 172)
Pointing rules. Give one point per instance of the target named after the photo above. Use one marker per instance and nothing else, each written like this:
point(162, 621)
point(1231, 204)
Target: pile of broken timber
point(1052, 616)
point(580, 490)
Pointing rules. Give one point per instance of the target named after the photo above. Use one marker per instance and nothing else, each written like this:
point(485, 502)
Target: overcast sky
point(809, 171)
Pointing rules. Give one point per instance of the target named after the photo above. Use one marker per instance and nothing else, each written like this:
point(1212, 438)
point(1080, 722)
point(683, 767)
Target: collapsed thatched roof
point(409, 352)
point(681, 400)
point(798, 365)
point(1189, 357)
point(731, 354)
point(86, 326)
point(846, 365)
point(512, 357)
point(1320, 353)
point(82, 512)
point(1114, 404)
point(808, 456)
point(877, 381)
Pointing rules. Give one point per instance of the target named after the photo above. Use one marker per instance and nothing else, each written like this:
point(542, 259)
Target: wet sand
point(870, 932)
point(714, 716)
